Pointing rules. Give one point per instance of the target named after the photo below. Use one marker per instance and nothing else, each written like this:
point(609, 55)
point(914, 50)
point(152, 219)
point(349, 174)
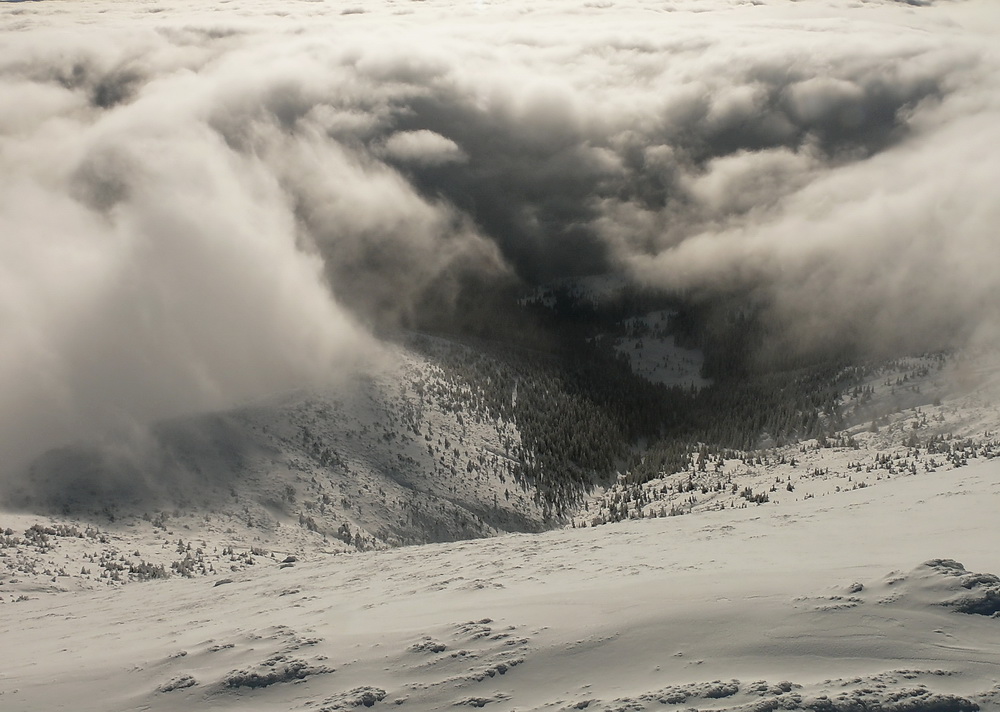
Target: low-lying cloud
point(422, 147)
point(200, 204)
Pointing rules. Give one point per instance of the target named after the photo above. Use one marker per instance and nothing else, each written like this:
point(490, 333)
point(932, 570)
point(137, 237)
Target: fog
point(203, 203)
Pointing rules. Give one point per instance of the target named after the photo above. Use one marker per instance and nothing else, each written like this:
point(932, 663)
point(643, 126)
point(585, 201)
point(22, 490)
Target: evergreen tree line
point(584, 416)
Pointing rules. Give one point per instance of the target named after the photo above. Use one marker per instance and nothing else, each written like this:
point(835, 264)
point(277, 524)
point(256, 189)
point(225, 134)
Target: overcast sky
point(204, 202)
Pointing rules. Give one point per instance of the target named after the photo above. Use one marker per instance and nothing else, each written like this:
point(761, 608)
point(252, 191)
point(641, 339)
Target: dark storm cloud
point(201, 204)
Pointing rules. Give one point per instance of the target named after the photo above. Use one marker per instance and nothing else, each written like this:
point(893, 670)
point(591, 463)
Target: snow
point(932, 413)
point(832, 596)
point(644, 340)
point(619, 617)
point(399, 455)
point(592, 289)
point(252, 569)
point(654, 354)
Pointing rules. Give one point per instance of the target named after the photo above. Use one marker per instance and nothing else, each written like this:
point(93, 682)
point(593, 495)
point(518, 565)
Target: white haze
point(202, 203)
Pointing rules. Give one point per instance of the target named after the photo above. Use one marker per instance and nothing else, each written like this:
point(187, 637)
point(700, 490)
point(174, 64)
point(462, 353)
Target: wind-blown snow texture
point(821, 605)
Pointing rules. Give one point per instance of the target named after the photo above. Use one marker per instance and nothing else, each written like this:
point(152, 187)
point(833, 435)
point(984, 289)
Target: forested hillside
point(458, 436)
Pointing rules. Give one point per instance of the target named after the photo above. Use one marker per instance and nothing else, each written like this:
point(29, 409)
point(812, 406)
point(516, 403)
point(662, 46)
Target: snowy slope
point(645, 340)
point(655, 354)
point(403, 454)
point(823, 604)
point(842, 594)
point(903, 418)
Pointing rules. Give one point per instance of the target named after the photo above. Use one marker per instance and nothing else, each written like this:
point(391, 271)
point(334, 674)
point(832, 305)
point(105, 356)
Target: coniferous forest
point(586, 418)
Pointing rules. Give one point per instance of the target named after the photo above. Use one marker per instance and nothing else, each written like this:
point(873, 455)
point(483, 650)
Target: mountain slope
point(821, 605)
point(403, 454)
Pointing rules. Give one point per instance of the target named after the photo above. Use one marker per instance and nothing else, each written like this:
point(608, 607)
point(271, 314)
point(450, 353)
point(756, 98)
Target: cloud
point(422, 147)
point(147, 270)
point(204, 204)
point(886, 252)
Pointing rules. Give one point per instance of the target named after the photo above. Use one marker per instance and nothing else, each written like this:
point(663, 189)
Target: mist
point(204, 203)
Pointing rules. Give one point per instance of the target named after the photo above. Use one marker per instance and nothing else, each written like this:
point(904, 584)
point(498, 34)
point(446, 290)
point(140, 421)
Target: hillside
point(446, 442)
point(852, 570)
point(402, 454)
point(439, 440)
point(831, 603)
point(623, 355)
point(927, 415)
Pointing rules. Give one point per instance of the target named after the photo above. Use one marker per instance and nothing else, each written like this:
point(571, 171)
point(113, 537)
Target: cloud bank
point(205, 202)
